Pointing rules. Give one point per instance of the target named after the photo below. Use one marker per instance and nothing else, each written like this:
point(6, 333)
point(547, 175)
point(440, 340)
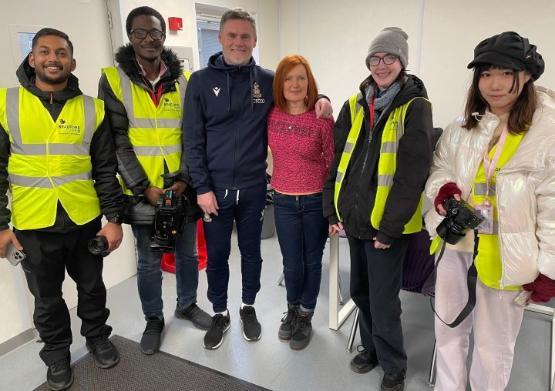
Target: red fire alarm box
point(175, 24)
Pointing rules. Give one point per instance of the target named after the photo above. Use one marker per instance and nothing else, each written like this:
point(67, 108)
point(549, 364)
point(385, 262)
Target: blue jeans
point(302, 233)
point(149, 275)
point(246, 207)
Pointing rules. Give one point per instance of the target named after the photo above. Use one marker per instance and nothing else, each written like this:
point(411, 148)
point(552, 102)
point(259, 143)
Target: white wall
point(453, 28)
point(335, 37)
point(84, 21)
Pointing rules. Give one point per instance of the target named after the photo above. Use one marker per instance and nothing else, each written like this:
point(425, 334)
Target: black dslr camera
point(168, 221)
point(460, 218)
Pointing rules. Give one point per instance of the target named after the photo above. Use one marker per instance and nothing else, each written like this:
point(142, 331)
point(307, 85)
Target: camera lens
point(98, 246)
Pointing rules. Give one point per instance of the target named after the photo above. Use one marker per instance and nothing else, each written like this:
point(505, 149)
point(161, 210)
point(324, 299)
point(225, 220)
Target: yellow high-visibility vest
point(387, 163)
point(488, 260)
point(154, 131)
point(50, 161)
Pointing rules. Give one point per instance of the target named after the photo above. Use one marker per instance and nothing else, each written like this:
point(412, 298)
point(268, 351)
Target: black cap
point(509, 50)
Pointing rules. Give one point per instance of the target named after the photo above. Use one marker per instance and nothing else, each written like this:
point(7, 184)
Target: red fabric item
point(446, 191)
point(543, 288)
point(201, 246)
point(168, 259)
point(168, 262)
point(302, 151)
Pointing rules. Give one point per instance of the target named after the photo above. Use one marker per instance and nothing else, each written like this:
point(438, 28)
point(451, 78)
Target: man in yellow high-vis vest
point(57, 159)
point(144, 100)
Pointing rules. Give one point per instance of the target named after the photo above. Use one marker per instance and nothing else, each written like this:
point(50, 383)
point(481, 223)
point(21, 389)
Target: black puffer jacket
point(129, 167)
point(102, 152)
point(414, 157)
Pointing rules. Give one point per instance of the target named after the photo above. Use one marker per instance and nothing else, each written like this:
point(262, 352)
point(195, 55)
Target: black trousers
point(375, 286)
point(49, 254)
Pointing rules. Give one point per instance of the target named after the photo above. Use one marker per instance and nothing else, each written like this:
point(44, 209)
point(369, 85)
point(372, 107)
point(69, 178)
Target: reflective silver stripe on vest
point(339, 177)
point(12, 113)
point(400, 129)
point(389, 147)
point(349, 146)
point(45, 182)
point(480, 188)
point(182, 80)
point(90, 119)
point(17, 147)
point(152, 123)
point(149, 123)
point(51, 149)
point(385, 180)
point(156, 151)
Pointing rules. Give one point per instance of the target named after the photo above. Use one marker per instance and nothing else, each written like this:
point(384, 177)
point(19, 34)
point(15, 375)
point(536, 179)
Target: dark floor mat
point(161, 371)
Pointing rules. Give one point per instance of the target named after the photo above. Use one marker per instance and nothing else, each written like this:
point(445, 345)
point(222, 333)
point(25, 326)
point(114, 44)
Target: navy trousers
point(246, 208)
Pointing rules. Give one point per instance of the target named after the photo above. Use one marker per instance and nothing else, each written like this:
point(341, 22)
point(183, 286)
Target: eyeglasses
point(388, 59)
point(142, 33)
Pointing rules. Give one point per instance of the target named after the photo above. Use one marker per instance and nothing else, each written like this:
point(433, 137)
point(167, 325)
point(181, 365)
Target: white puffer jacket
point(525, 189)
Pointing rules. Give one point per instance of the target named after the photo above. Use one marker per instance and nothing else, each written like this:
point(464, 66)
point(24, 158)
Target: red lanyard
point(491, 164)
point(155, 95)
point(372, 107)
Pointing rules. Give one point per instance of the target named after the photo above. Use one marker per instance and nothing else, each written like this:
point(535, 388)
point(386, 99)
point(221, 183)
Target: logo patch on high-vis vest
point(394, 124)
point(167, 104)
point(257, 94)
point(68, 129)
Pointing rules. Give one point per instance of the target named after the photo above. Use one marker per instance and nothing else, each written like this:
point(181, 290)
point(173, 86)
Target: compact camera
point(168, 222)
point(460, 217)
point(13, 255)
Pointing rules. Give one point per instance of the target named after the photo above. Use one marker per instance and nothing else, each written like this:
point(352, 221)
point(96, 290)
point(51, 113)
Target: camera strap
point(471, 280)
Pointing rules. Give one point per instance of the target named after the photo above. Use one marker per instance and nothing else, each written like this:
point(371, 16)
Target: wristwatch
point(115, 218)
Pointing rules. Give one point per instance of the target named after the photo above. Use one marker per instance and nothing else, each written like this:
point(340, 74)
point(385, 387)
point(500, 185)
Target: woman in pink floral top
point(302, 149)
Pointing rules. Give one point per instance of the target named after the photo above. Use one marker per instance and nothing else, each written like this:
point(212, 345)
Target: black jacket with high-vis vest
point(129, 167)
point(102, 151)
point(359, 187)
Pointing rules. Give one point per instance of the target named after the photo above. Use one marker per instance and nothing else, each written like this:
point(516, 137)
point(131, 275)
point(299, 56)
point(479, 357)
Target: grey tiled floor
point(269, 362)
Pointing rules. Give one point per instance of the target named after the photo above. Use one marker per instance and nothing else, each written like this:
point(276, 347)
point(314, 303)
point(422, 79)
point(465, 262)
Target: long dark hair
point(520, 117)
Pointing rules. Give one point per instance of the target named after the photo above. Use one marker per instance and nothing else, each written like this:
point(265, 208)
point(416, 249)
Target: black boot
point(286, 328)
point(364, 361)
point(302, 329)
point(393, 381)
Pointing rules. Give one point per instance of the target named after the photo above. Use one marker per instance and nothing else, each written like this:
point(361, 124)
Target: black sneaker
point(364, 361)
point(214, 337)
point(104, 353)
point(199, 318)
point(150, 342)
point(302, 330)
point(286, 328)
point(393, 381)
point(251, 326)
point(59, 375)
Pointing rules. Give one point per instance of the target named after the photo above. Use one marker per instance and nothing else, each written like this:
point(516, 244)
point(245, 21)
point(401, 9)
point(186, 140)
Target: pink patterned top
point(302, 150)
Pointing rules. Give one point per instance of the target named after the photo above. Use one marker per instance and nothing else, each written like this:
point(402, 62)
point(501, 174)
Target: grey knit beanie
point(391, 40)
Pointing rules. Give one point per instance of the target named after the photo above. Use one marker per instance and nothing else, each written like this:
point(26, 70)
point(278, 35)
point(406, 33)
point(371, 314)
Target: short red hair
point(284, 67)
